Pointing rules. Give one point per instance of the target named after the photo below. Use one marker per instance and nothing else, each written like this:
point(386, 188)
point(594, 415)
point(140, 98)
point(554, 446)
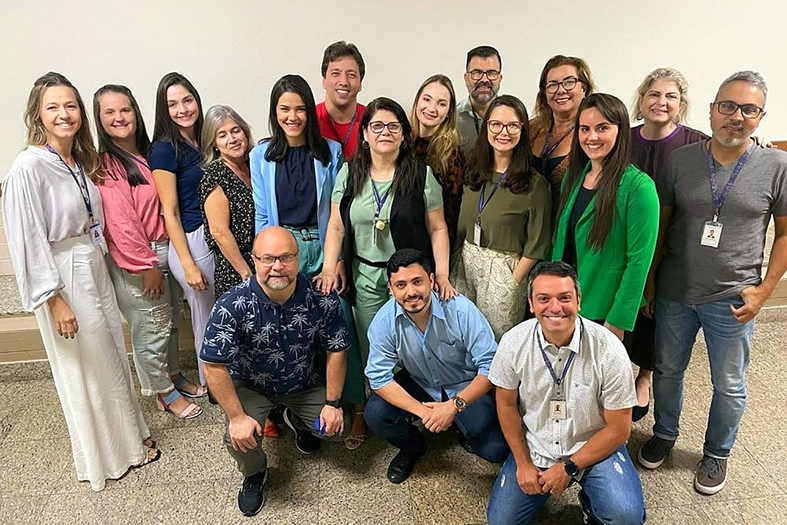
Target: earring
point(365, 144)
point(403, 145)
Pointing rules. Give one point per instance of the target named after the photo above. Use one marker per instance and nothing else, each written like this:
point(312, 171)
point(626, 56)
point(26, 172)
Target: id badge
point(711, 234)
point(477, 234)
point(97, 237)
point(557, 409)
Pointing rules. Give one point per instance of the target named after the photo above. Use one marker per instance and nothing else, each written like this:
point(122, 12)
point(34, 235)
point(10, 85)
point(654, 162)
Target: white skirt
point(91, 371)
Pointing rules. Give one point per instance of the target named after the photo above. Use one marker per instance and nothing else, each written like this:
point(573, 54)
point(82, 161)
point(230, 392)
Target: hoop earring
point(365, 144)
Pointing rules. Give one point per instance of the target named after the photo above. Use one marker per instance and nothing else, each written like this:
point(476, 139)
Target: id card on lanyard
point(711, 231)
point(482, 204)
point(378, 225)
point(94, 229)
point(557, 403)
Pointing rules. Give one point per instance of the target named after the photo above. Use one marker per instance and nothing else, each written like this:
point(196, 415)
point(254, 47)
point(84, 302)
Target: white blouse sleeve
point(28, 243)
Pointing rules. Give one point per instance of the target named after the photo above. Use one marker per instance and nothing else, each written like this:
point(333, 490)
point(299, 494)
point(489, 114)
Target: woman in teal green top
point(609, 216)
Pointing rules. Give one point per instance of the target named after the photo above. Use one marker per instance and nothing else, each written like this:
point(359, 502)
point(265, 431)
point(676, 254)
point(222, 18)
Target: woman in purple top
point(662, 103)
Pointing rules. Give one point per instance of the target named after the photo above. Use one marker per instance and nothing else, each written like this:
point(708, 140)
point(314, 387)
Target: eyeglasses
point(270, 260)
point(512, 128)
point(568, 84)
point(728, 107)
point(478, 74)
point(377, 127)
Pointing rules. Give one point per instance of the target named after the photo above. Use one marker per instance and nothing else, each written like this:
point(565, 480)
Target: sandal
point(150, 442)
point(181, 382)
point(164, 404)
point(151, 456)
point(354, 441)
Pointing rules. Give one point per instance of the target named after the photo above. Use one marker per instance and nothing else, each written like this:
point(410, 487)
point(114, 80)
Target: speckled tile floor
point(196, 482)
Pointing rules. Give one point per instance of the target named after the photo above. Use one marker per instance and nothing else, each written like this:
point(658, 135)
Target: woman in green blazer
point(609, 216)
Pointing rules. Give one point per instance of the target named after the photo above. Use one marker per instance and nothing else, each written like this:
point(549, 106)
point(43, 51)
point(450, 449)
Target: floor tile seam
point(756, 458)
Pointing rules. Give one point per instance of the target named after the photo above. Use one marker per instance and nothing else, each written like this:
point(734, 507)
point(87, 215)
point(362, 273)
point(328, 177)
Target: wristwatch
point(571, 468)
point(335, 403)
point(459, 404)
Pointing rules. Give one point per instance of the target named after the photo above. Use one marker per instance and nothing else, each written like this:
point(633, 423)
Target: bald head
point(274, 239)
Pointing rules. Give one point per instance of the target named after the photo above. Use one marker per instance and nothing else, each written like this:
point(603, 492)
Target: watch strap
point(335, 403)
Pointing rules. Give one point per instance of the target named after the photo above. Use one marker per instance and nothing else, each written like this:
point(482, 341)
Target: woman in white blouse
point(53, 219)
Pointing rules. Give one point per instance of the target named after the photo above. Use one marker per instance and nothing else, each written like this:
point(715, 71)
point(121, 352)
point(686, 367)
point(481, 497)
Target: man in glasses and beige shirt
point(482, 78)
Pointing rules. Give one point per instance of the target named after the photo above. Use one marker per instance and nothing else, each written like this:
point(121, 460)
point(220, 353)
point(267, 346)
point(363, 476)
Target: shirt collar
point(573, 345)
point(298, 296)
point(437, 308)
point(464, 106)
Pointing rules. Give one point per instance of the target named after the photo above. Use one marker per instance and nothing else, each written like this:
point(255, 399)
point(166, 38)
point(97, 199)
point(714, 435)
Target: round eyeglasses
point(377, 127)
point(512, 128)
point(478, 74)
point(568, 84)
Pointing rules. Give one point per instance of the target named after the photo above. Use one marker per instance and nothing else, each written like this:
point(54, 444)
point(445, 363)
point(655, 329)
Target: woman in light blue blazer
point(293, 172)
point(292, 178)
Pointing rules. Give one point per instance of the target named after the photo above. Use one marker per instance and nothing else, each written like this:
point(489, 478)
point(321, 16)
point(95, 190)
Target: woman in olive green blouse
point(504, 219)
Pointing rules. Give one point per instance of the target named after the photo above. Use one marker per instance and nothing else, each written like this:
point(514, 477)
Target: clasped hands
point(533, 480)
point(437, 416)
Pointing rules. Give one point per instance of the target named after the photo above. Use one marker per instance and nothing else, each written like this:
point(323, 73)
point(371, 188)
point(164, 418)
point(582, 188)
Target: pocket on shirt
point(580, 407)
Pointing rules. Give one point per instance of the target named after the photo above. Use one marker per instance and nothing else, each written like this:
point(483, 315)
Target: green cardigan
point(613, 278)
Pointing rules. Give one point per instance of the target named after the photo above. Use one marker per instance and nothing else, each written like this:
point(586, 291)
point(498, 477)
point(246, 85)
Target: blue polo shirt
point(188, 172)
point(458, 345)
point(276, 349)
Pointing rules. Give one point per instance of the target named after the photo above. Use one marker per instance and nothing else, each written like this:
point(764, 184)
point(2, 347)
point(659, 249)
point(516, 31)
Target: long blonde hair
point(670, 74)
point(83, 148)
point(445, 141)
point(542, 113)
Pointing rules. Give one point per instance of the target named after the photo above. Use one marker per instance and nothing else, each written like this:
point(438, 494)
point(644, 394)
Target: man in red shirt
point(340, 115)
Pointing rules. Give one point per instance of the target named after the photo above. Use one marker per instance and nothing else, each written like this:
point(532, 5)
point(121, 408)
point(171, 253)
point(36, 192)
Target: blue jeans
point(611, 493)
point(728, 343)
point(478, 423)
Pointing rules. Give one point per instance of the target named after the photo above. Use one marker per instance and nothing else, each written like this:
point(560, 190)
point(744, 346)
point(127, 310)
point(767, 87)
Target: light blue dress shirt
point(458, 344)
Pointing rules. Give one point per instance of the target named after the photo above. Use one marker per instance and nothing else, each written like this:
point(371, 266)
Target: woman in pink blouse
point(148, 295)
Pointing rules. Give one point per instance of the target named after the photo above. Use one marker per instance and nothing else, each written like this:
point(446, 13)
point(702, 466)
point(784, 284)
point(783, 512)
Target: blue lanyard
point(481, 202)
point(547, 150)
point(83, 190)
point(347, 135)
point(568, 361)
point(718, 199)
point(380, 201)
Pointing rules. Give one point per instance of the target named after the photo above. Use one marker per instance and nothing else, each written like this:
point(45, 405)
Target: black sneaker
point(402, 465)
point(306, 442)
point(654, 452)
point(250, 496)
point(711, 475)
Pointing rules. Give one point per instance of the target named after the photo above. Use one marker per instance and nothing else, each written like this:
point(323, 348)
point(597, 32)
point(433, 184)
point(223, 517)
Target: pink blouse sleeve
point(126, 239)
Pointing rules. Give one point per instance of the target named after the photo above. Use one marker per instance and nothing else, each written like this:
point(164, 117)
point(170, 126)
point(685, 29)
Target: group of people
point(471, 266)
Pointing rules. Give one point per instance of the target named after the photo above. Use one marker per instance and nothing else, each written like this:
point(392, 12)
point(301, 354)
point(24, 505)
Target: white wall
point(234, 51)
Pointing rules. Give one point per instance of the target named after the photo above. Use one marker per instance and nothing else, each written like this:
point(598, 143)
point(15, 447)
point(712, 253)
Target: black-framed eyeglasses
point(568, 84)
point(478, 74)
point(728, 107)
point(512, 128)
point(377, 127)
point(270, 260)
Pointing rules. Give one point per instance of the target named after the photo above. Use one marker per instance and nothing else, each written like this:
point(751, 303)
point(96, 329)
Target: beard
point(278, 282)
point(483, 98)
point(733, 142)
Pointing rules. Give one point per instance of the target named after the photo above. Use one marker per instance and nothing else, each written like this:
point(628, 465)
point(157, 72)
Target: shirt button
point(557, 442)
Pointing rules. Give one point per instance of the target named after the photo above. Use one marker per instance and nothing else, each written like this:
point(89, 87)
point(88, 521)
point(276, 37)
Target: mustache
point(482, 83)
point(414, 297)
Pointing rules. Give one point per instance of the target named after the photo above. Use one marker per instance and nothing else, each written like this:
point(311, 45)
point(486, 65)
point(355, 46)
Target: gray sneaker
point(654, 452)
point(711, 475)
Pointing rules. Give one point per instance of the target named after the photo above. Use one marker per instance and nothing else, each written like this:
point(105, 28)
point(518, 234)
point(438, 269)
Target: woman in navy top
point(175, 161)
point(662, 103)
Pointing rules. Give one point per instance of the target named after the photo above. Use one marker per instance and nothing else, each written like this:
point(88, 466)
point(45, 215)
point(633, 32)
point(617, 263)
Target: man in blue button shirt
point(272, 340)
point(445, 350)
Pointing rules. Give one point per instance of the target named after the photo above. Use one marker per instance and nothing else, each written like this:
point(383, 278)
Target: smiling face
point(483, 90)
point(597, 135)
point(60, 112)
point(563, 100)
point(231, 141)
point(182, 106)
point(117, 116)
point(554, 301)
point(291, 116)
point(342, 82)
point(734, 130)
point(411, 287)
point(505, 141)
point(661, 102)
point(432, 106)
point(275, 242)
point(384, 142)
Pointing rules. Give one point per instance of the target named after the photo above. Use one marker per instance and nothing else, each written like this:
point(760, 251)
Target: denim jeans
point(154, 324)
point(728, 343)
point(478, 423)
point(611, 494)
